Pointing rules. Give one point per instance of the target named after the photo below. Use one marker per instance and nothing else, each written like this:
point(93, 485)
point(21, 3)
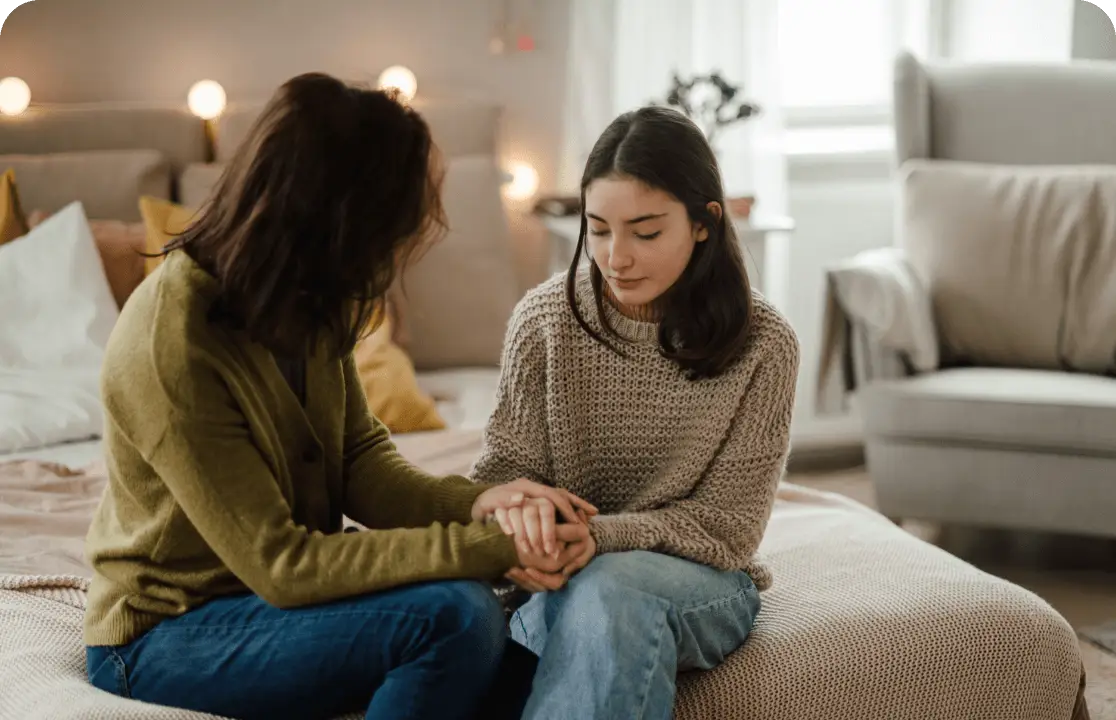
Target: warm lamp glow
point(206, 99)
point(400, 78)
point(15, 96)
point(524, 181)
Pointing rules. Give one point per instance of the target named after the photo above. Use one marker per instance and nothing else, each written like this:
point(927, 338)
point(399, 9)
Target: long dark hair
point(334, 189)
point(706, 314)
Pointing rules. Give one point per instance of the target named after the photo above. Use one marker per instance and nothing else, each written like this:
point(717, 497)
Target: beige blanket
point(863, 622)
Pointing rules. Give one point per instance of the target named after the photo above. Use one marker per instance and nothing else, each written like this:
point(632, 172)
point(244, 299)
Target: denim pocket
point(107, 671)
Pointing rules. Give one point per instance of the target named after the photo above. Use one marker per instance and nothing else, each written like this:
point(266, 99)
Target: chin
point(634, 296)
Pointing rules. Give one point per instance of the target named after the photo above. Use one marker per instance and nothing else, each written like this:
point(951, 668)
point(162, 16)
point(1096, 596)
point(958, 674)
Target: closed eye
point(598, 233)
point(652, 236)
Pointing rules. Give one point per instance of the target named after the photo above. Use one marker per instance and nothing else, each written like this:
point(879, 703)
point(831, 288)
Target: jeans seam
point(120, 671)
point(523, 626)
point(714, 603)
point(654, 660)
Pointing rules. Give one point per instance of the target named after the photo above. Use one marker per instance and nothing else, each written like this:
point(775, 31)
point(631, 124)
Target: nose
point(619, 256)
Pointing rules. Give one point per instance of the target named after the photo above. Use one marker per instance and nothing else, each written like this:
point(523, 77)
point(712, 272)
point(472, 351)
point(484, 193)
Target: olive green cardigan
point(221, 482)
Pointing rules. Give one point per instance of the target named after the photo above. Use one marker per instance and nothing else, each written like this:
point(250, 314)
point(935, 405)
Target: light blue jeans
point(612, 642)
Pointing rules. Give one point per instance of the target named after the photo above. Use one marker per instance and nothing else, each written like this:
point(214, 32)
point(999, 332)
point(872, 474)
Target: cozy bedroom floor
point(1077, 576)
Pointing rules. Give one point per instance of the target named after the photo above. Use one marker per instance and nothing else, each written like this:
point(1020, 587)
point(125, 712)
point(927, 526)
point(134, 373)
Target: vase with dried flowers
point(714, 103)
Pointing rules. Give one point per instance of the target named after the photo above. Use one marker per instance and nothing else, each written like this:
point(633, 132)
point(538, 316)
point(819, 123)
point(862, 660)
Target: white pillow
point(58, 312)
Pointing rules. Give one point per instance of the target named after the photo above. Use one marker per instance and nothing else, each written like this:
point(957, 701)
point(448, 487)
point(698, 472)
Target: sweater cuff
point(454, 498)
point(621, 533)
point(493, 551)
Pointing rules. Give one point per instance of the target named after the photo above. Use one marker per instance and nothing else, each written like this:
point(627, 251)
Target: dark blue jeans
point(435, 650)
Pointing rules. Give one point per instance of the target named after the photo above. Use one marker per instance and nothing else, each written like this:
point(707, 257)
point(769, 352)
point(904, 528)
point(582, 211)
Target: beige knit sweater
point(687, 468)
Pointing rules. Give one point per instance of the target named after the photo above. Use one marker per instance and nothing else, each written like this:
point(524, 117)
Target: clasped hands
point(550, 527)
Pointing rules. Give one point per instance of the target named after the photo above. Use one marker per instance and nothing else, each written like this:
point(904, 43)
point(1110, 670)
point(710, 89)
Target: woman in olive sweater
point(237, 436)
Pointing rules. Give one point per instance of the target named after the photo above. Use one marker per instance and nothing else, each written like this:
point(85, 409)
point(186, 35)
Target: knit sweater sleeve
point(201, 448)
point(382, 489)
point(515, 439)
point(724, 519)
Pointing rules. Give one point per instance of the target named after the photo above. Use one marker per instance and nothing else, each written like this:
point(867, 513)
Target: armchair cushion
point(1017, 260)
point(1038, 410)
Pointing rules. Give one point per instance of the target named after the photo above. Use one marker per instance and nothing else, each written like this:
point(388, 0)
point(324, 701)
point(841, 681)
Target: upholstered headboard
point(459, 296)
point(1019, 114)
point(106, 156)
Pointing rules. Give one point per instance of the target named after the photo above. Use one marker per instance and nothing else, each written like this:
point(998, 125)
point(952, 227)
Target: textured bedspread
point(864, 621)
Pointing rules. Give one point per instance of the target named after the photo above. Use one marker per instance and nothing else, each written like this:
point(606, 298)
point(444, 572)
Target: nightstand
point(753, 234)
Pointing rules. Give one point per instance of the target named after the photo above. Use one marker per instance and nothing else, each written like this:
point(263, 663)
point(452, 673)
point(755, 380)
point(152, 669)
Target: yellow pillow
point(163, 220)
point(389, 383)
point(13, 223)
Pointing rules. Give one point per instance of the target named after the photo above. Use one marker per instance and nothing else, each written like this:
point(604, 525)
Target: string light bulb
point(523, 182)
point(206, 99)
point(400, 78)
point(15, 96)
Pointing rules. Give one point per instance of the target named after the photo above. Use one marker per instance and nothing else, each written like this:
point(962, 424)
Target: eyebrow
point(633, 221)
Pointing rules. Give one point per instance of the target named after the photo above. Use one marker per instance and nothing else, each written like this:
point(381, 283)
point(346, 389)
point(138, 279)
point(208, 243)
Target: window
point(835, 54)
point(836, 59)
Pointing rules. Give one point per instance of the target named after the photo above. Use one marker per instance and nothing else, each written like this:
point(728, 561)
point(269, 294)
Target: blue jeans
point(614, 639)
point(435, 650)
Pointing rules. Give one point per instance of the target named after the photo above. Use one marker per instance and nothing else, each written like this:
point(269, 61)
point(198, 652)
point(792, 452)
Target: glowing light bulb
point(15, 96)
point(400, 78)
point(524, 181)
point(206, 99)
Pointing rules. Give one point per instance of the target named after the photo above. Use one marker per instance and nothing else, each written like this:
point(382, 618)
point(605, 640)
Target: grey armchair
point(981, 350)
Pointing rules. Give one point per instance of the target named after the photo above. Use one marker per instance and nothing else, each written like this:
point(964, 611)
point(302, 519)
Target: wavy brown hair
point(335, 188)
point(707, 313)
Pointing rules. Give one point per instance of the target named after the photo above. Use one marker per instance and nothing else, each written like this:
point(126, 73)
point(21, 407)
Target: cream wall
point(153, 50)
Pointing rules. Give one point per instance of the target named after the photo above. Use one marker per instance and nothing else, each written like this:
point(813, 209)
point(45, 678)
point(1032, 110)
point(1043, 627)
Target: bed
point(863, 621)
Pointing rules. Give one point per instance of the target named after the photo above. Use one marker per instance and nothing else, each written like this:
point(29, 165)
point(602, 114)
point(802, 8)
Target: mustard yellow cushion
point(163, 220)
point(13, 223)
point(388, 378)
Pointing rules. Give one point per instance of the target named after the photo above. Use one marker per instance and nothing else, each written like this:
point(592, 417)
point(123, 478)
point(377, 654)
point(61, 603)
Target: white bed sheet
point(465, 397)
point(72, 454)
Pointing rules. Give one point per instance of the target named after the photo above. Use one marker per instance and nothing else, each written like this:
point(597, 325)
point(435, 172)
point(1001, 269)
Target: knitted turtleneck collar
point(637, 325)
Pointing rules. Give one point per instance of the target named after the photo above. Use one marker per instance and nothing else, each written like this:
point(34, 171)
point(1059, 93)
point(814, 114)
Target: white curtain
point(623, 54)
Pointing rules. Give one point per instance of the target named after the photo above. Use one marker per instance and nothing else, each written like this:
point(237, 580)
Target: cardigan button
point(311, 455)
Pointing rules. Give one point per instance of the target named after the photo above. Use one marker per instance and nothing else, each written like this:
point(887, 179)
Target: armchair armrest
point(878, 320)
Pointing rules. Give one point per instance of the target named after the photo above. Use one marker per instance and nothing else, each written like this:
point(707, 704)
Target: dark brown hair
point(334, 189)
point(706, 314)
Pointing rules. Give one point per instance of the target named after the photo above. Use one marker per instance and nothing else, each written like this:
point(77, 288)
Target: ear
point(701, 232)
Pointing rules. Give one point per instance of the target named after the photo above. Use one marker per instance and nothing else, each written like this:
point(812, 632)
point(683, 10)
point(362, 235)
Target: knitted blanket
point(864, 621)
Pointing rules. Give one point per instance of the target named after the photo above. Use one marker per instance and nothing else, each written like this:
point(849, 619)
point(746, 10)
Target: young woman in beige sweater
point(656, 385)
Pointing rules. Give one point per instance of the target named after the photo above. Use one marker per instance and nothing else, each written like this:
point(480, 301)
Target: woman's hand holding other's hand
point(541, 573)
point(514, 493)
point(586, 551)
point(529, 511)
point(531, 525)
